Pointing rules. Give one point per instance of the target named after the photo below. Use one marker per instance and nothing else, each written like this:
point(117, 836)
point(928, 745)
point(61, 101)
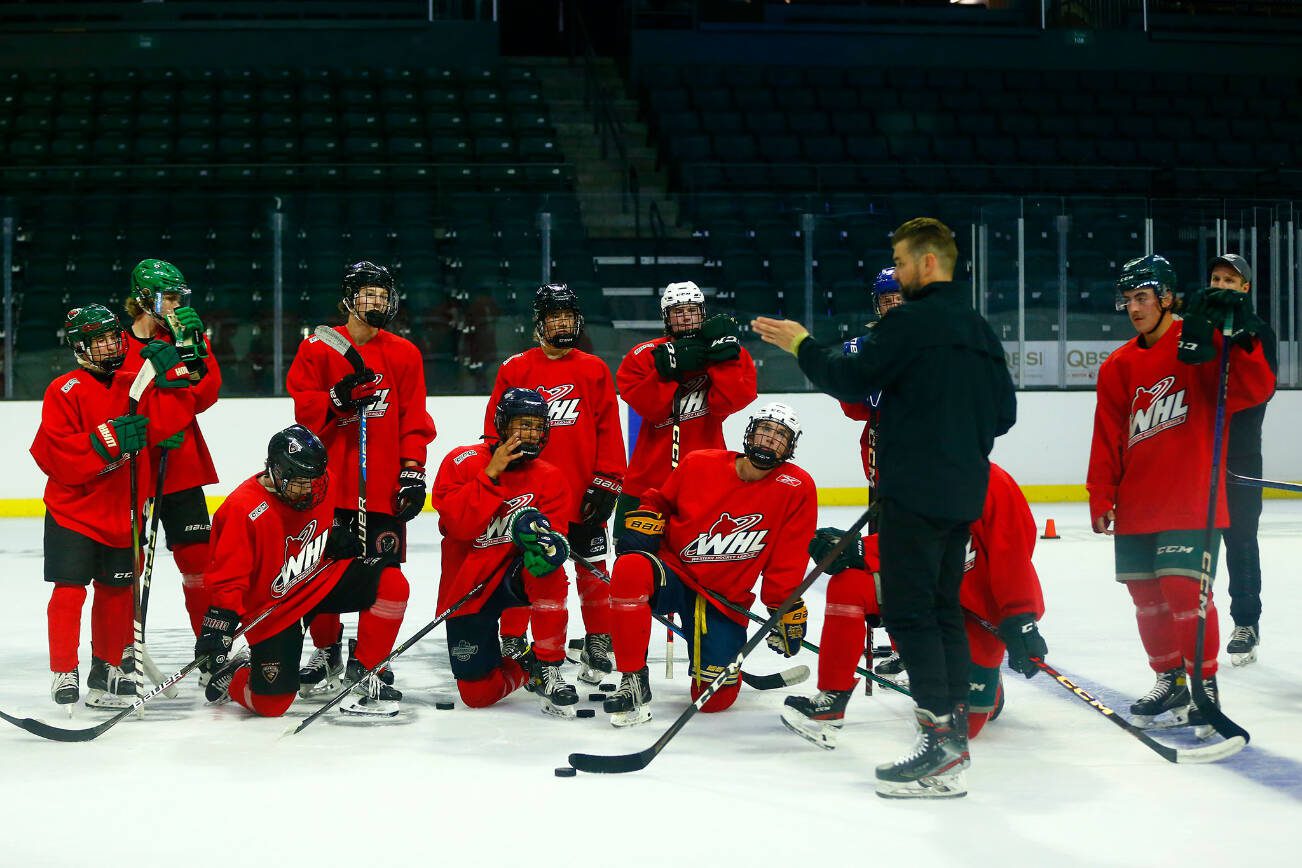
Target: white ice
point(1052, 783)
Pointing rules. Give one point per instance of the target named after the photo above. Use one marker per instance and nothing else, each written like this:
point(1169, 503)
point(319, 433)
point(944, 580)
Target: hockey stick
point(340, 344)
point(1252, 482)
point(1211, 711)
point(786, 678)
point(56, 733)
point(144, 377)
point(1207, 754)
point(634, 761)
point(416, 637)
point(146, 660)
point(675, 412)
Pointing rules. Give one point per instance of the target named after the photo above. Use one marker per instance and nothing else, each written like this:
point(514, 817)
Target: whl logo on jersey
point(692, 403)
point(303, 554)
point(561, 409)
point(728, 539)
point(499, 528)
point(1153, 411)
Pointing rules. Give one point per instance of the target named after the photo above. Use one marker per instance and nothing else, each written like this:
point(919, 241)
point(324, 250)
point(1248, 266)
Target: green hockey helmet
point(152, 279)
point(82, 329)
point(1152, 271)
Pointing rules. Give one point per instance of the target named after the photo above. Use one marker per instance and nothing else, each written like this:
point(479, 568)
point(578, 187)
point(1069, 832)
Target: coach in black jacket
point(947, 396)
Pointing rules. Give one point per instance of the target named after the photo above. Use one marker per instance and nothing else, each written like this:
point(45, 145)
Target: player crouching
point(720, 521)
point(493, 501)
point(272, 545)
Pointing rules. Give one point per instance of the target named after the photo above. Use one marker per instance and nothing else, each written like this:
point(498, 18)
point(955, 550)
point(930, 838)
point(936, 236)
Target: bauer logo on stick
point(729, 539)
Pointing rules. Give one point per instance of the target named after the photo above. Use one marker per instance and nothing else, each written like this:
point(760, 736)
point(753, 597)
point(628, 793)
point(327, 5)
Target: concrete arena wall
point(1047, 451)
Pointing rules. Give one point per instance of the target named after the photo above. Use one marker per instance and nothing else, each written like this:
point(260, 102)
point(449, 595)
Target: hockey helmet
point(297, 455)
point(556, 298)
point(885, 284)
point(83, 325)
point(516, 403)
point(363, 274)
point(675, 295)
point(152, 279)
point(765, 455)
point(1152, 271)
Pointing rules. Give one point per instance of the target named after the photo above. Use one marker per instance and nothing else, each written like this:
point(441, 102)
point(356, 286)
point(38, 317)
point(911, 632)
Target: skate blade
point(364, 706)
point(1244, 659)
point(935, 787)
point(564, 712)
point(329, 687)
point(592, 677)
point(110, 701)
point(819, 737)
point(625, 719)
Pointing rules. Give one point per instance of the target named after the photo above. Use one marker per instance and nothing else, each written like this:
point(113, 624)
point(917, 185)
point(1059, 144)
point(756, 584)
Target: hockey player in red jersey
point(585, 443)
point(683, 385)
point(886, 296)
point(497, 503)
point(274, 544)
point(1156, 404)
point(159, 304)
point(328, 395)
point(719, 522)
point(87, 438)
point(1000, 585)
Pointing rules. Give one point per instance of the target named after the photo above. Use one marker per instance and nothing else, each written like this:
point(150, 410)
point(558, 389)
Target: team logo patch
point(499, 529)
point(387, 543)
point(294, 446)
point(729, 539)
point(561, 410)
point(787, 479)
point(270, 672)
point(463, 650)
point(1153, 411)
point(67, 387)
point(258, 510)
point(693, 403)
point(303, 554)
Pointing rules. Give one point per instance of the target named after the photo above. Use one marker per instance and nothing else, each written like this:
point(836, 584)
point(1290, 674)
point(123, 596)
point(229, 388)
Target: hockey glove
point(353, 390)
point(790, 630)
point(215, 638)
point(1024, 641)
point(677, 360)
point(173, 442)
point(117, 437)
point(721, 338)
point(643, 531)
point(191, 326)
point(851, 557)
point(169, 372)
point(598, 500)
point(343, 542)
point(410, 498)
point(544, 549)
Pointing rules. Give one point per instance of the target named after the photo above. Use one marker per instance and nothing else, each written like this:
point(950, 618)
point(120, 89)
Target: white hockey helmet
point(675, 294)
point(763, 456)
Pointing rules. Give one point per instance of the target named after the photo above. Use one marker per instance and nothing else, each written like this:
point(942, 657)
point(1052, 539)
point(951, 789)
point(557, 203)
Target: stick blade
point(612, 765)
point(55, 733)
point(340, 344)
point(1213, 752)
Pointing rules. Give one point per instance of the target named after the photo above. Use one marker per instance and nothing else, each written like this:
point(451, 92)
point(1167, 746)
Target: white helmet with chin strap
point(675, 294)
point(762, 456)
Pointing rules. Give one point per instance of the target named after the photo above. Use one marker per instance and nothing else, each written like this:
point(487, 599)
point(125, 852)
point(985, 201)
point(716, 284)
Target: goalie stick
point(340, 344)
point(632, 762)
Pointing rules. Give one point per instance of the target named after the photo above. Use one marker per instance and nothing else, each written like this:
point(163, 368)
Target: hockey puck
point(607, 687)
point(596, 697)
point(565, 772)
point(586, 712)
point(445, 705)
point(576, 644)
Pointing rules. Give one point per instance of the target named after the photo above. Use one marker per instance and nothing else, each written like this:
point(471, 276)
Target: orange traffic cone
point(1050, 530)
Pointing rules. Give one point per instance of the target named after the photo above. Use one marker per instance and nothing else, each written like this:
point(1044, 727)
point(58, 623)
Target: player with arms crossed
point(720, 521)
point(497, 504)
point(585, 443)
point(328, 397)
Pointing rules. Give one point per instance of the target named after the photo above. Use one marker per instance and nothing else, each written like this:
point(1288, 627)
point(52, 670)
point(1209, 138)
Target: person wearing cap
point(1243, 457)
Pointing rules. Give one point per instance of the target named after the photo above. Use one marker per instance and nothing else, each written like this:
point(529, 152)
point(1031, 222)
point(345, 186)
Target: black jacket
point(947, 395)
point(1243, 454)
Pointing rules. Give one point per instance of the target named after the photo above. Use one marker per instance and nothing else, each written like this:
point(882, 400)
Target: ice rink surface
point(1052, 783)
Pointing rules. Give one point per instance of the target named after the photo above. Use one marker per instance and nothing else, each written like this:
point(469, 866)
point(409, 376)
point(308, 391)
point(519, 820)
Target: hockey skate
point(558, 696)
point(1169, 693)
point(933, 768)
point(108, 686)
point(1242, 647)
point(218, 691)
point(65, 689)
point(356, 674)
point(1202, 728)
point(323, 672)
point(630, 705)
point(370, 697)
point(386, 674)
point(892, 669)
point(818, 718)
point(595, 661)
point(514, 646)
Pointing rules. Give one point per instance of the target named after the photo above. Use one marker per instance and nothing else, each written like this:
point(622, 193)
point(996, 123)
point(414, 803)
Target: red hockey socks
point(493, 687)
point(851, 597)
point(594, 600)
point(722, 698)
point(630, 611)
point(111, 614)
point(1156, 628)
point(377, 627)
point(548, 613)
point(515, 621)
point(192, 560)
point(1181, 593)
point(270, 705)
point(63, 616)
point(326, 629)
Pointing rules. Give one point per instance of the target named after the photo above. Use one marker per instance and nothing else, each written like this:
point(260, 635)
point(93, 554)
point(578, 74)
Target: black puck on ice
point(607, 687)
point(596, 697)
point(586, 712)
point(565, 772)
point(445, 705)
point(576, 643)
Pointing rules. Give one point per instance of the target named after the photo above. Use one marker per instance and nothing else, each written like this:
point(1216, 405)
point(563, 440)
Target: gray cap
point(1235, 261)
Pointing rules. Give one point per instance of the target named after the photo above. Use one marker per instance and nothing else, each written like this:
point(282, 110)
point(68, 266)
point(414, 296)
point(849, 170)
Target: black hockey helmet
point(514, 404)
point(555, 298)
point(362, 274)
point(296, 454)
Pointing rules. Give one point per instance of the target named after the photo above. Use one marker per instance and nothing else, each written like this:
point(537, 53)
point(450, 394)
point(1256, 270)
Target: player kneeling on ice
point(273, 542)
point(1000, 585)
point(720, 521)
point(495, 502)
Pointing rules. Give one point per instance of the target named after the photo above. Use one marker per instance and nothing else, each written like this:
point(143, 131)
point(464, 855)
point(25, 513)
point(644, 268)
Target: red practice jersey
point(866, 412)
point(1151, 458)
point(189, 465)
point(705, 400)
point(398, 426)
point(262, 549)
point(82, 493)
point(472, 511)
point(722, 533)
point(585, 439)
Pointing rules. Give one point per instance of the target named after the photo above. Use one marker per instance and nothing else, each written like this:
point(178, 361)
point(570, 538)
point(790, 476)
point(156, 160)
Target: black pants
point(1242, 556)
point(922, 571)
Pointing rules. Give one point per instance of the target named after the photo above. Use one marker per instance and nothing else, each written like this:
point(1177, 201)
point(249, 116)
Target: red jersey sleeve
point(1008, 534)
point(210, 385)
point(1251, 379)
point(466, 499)
point(62, 447)
point(306, 384)
point(732, 385)
point(786, 567)
point(640, 384)
point(611, 461)
point(415, 425)
point(857, 411)
point(1104, 473)
point(169, 411)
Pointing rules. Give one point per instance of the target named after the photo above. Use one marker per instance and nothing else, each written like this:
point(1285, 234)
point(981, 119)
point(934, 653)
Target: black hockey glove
point(722, 339)
point(353, 390)
point(343, 542)
point(410, 497)
point(599, 500)
point(790, 630)
point(851, 557)
point(643, 531)
point(215, 637)
point(677, 360)
point(1024, 641)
